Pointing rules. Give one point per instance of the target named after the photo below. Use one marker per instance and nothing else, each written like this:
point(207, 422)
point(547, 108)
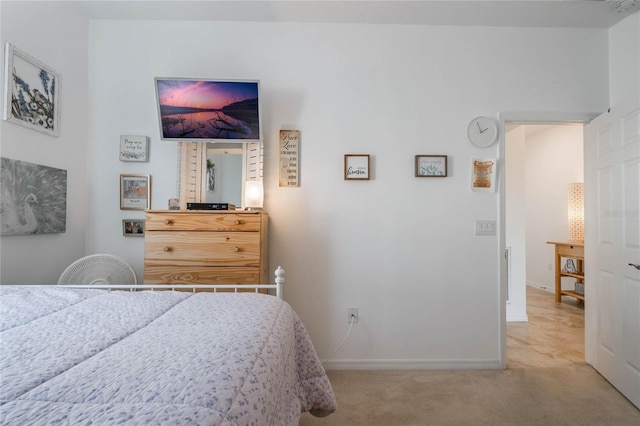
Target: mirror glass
point(224, 174)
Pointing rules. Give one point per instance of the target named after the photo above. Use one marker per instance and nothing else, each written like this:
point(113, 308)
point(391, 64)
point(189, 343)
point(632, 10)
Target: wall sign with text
point(134, 148)
point(356, 167)
point(289, 156)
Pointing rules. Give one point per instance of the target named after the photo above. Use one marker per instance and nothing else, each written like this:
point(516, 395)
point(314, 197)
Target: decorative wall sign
point(32, 92)
point(134, 148)
point(289, 156)
point(431, 166)
point(133, 227)
point(34, 198)
point(356, 167)
point(135, 192)
point(483, 175)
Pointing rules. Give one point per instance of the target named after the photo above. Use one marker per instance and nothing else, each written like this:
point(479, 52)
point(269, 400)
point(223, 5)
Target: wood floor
point(553, 336)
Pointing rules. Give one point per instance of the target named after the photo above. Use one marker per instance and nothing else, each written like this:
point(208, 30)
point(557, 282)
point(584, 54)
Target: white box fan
point(98, 269)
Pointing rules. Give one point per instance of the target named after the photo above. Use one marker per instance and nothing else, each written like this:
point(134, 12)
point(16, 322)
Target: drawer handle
point(238, 222)
point(236, 249)
point(168, 221)
point(167, 248)
point(227, 238)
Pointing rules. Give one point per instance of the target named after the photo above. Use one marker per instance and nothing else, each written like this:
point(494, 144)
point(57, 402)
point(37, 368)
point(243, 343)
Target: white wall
point(401, 249)
point(57, 36)
point(624, 58)
point(554, 159)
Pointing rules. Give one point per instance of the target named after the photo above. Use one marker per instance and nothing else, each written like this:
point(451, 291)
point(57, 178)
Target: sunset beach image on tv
point(208, 110)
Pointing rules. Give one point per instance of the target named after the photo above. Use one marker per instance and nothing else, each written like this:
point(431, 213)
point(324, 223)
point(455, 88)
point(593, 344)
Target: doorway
point(542, 156)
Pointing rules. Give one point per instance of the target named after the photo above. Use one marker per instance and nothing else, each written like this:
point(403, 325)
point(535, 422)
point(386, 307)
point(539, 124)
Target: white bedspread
point(96, 357)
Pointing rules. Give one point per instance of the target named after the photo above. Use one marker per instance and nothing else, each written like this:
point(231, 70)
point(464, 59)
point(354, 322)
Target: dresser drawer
point(202, 222)
point(192, 248)
point(571, 251)
point(158, 274)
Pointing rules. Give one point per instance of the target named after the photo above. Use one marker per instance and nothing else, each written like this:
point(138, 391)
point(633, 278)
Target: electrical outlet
point(352, 315)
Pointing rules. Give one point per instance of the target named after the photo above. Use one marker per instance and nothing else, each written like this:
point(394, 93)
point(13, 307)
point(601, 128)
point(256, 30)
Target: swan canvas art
point(34, 198)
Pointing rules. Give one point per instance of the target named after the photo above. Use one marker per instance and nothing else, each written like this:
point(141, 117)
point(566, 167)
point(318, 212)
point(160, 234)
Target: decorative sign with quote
point(356, 167)
point(134, 148)
point(289, 151)
point(483, 175)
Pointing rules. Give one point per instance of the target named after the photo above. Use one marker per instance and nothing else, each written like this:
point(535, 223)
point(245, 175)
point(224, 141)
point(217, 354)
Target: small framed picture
point(134, 148)
point(133, 227)
point(31, 92)
point(356, 167)
point(135, 192)
point(174, 204)
point(431, 166)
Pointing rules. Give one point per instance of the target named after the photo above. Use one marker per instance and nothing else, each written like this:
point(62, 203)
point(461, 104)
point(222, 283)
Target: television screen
point(205, 110)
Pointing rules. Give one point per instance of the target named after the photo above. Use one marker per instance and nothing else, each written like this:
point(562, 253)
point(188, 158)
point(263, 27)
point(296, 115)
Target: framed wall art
point(33, 198)
point(135, 192)
point(431, 166)
point(133, 227)
point(356, 166)
point(134, 148)
point(31, 92)
point(174, 204)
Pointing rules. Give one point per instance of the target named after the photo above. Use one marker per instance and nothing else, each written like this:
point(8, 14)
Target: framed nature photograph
point(133, 227)
point(134, 148)
point(31, 92)
point(135, 192)
point(431, 166)
point(356, 167)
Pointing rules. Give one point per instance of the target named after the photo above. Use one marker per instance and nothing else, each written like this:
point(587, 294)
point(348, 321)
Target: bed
point(96, 356)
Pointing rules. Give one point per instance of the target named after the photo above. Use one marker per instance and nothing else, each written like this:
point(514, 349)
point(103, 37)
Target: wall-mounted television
point(208, 110)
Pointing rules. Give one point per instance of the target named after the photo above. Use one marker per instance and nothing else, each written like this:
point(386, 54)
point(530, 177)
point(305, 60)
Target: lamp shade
point(575, 211)
point(253, 195)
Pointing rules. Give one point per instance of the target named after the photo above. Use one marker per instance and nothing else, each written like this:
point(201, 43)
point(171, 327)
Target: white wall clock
point(482, 132)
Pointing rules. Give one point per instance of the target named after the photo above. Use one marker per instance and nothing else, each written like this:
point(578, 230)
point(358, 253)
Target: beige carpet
point(547, 383)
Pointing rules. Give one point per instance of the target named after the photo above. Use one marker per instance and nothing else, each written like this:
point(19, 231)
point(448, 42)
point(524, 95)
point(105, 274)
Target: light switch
point(485, 227)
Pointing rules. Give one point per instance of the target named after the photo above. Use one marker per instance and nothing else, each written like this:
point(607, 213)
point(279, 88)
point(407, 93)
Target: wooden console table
point(569, 250)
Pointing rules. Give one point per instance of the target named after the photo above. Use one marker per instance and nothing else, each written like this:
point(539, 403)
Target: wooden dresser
point(205, 247)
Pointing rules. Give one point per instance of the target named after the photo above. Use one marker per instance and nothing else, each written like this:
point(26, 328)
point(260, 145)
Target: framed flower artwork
point(32, 92)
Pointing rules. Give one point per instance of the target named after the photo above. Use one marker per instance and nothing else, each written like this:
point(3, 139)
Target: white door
point(612, 243)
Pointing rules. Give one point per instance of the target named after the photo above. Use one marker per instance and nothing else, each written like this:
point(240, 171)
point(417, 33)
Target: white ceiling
point(510, 13)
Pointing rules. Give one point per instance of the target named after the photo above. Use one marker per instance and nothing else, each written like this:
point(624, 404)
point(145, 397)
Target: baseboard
point(413, 364)
point(541, 287)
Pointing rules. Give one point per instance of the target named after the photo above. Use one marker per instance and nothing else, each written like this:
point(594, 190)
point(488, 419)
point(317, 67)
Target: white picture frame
point(31, 92)
point(134, 148)
point(135, 192)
